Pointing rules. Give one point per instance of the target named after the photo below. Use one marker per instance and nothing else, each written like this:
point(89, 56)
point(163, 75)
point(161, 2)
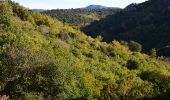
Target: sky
point(65, 4)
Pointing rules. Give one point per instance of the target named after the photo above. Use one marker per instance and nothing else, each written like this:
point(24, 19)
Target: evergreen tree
point(153, 53)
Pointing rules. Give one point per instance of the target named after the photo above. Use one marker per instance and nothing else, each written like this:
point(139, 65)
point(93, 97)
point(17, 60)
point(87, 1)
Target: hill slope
point(146, 23)
point(44, 59)
point(80, 17)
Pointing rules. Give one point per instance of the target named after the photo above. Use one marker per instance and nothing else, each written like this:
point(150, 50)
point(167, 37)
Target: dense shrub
point(5, 16)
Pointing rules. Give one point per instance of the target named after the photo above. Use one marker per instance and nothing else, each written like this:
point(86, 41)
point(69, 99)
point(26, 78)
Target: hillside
point(80, 17)
point(146, 23)
point(44, 59)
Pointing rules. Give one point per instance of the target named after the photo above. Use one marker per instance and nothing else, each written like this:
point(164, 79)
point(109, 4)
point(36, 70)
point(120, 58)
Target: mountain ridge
point(38, 10)
point(93, 6)
point(89, 7)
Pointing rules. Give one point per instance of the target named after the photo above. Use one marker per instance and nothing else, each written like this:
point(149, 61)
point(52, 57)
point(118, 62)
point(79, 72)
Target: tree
point(134, 46)
point(153, 53)
point(99, 38)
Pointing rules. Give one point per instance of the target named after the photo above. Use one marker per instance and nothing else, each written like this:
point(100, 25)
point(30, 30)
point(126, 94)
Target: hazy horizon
point(67, 4)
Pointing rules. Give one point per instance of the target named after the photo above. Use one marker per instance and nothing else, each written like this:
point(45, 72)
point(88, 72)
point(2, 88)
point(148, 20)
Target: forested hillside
point(80, 17)
point(44, 59)
point(147, 23)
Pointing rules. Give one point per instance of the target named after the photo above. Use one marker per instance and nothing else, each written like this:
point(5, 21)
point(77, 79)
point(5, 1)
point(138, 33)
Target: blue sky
point(64, 4)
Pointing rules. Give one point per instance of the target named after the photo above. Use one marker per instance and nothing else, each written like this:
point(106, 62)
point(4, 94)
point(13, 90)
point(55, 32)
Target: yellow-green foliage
point(63, 63)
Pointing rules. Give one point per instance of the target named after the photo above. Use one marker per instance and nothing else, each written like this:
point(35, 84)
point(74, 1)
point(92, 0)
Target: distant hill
point(81, 17)
point(38, 10)
point(91, 7)
point(147, 23)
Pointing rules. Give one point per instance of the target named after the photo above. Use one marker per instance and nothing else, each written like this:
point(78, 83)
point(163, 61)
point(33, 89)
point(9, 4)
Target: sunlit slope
point(42, 58)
